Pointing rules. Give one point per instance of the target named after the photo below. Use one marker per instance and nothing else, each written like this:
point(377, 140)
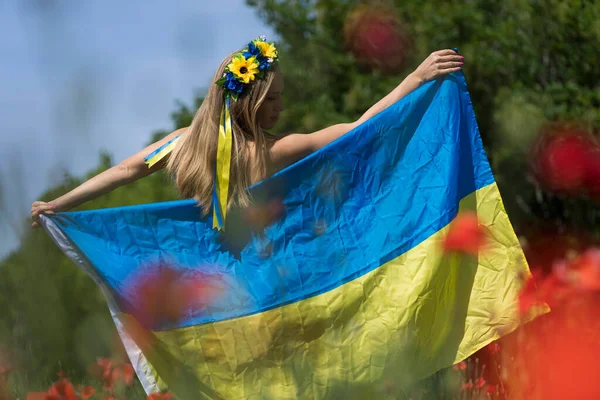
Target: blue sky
point(80, 77)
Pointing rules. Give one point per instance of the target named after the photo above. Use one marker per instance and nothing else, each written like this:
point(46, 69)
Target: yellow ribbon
point(223, 167)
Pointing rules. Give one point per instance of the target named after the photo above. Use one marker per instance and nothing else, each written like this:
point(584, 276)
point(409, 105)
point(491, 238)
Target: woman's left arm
point(293, 147)
point(438, 64)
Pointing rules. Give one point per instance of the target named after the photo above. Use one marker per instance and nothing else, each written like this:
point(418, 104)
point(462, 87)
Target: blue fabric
point(357, 203)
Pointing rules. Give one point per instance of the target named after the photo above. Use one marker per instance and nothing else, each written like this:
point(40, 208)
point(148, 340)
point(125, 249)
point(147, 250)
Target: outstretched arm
point(296, 146)
point(127, 171)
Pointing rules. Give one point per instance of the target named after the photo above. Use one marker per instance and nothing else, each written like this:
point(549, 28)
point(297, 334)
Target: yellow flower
point(244, 68)
point(267, 49)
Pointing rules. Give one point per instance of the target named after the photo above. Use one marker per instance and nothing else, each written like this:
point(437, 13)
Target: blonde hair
point(192, 162)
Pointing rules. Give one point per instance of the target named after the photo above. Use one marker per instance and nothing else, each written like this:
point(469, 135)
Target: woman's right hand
point(38, 208)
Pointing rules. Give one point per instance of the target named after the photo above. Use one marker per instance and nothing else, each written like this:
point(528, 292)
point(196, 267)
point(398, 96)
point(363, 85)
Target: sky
point(81, 77)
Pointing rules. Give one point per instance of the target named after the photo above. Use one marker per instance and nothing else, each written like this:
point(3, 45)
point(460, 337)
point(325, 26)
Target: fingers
point(36, 213)
point(445, 52)
point(446, 65)
point(447, 71)
point(42, 206)
point(38, 208)
point(450, 58)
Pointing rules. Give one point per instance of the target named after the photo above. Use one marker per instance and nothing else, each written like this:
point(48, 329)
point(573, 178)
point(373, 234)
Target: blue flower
point(253, 50)
point(233, 85)
point(264, 63)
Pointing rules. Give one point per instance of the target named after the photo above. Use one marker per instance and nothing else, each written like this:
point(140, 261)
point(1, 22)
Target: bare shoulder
point(137, 162)
point(289, 148)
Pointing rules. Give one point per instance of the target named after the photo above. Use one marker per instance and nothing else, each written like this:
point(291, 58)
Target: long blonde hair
point(194, 158)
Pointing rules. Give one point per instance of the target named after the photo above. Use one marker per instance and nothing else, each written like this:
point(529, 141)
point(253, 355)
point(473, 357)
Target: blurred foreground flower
point(112, 373)
point(567, 161)
point(568, 279)
point(5, 368)
point(261, 216)
point(63, 389)
point(160, 396)
point(465, 235)
point(164, 294)
point(375, 37)
point(556, 356)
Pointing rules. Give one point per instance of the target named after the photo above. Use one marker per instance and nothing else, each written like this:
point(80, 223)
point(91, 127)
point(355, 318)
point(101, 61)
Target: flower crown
point(246, 66)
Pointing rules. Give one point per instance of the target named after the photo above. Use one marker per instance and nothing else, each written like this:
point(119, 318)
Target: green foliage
point(527, 63)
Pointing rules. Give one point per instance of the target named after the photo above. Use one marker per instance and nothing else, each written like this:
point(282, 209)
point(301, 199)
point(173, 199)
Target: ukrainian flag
point(348, 290)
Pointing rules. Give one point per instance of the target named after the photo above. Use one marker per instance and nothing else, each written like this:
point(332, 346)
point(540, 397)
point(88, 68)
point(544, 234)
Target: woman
point(250, 86)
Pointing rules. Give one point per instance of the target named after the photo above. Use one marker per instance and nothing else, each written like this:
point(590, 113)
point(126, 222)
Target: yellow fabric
point(420, 312)
point(223, 165)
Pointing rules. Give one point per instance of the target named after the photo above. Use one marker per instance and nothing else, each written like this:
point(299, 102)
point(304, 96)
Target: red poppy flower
point(5, 365)
point(160, 396)
point(528, 296)
point(479, 383)
point(460, 366)
point(467, 386)
point(563, 159)
point(493, 348)
point(62, 390)
point(4, 368)
point(587, 267)
point(128, 374)
point(375, 37)
point(87, 392)
point(490, 389)
point(36, 396)
point(559, 351)
point(164, 294)
point(465, 234)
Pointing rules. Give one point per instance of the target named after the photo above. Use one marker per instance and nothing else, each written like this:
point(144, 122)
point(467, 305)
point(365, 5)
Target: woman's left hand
point(439, 63)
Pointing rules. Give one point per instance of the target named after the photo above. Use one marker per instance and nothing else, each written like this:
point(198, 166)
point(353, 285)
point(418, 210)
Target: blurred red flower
point(568, 278)
point(460, 366)
point(465, 234)
point(559, 353)
point(5, 364)
point(566, 160)
point(587, 269)
point(36, 396)
point(164, 294)
point(62, 390)
point(559, 350)
point(160, 396)
point(493, 348)
point(112, 373)
point(467, 385)
point(479, 383)
point(374, 35)
point(87, 392)
point(490, 389)
point(261, 216)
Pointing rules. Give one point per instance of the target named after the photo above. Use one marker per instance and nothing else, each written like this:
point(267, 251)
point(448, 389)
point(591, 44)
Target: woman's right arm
point(127, 171)
point(291, 148)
